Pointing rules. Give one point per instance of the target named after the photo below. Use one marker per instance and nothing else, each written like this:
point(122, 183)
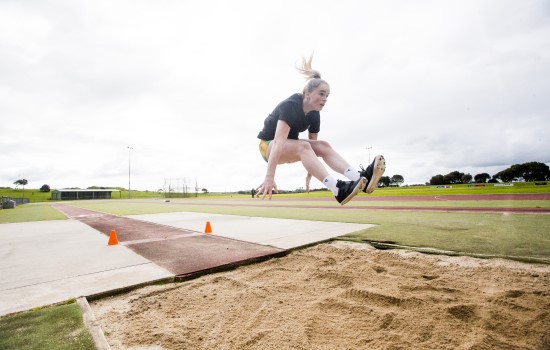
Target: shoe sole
point(358, 188)
point(378, 171)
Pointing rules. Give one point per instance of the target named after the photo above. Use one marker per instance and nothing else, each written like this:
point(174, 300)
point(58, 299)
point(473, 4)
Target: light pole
point(369, 148)
point(129, 153)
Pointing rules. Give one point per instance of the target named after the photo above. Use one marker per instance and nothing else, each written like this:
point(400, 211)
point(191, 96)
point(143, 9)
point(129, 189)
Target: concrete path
point(42, 263)
point(47, 262)
point(280, 233)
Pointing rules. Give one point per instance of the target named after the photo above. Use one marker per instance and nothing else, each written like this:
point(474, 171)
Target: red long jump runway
point(182, 252)
point(448, 197)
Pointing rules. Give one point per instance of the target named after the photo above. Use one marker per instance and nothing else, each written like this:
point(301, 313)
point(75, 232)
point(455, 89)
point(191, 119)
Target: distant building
point(70, 194)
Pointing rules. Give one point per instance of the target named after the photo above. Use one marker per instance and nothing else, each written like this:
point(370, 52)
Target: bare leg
point(332, 158)
point(301, 150)
point(308, 152)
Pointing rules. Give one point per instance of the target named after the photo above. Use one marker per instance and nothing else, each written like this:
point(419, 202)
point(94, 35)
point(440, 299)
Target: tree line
point(24, 182)
point(395, 180)
point(530, 171)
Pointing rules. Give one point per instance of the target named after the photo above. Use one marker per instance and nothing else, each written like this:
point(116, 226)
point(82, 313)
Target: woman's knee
point(322, 148)
point(304, 147)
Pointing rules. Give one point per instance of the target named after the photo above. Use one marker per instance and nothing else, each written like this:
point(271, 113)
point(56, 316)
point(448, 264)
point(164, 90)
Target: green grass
point(33, 194)
point(30, 212)
point(36, 196)
point(519, 187)
point(54, 328)
point(521, 237)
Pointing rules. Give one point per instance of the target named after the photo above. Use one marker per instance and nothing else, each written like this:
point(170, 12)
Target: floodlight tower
point(369, 148)
point(129, 156)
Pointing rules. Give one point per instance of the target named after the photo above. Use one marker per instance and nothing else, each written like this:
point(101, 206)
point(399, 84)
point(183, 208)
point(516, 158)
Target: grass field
point(30, 212)
point(36, 196)
point(55, 328)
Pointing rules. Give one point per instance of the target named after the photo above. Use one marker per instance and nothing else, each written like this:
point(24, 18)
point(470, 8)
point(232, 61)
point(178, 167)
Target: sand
point(341, 295)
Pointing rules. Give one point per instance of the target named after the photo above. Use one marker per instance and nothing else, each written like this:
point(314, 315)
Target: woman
point(279, 143)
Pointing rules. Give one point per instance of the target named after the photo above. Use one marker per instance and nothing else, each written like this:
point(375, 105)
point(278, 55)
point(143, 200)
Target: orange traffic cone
point(113, 240)
point(208, 228)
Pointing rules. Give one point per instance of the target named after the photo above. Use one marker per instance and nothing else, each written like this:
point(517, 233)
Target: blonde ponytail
point(305, 69)
point(312, 76)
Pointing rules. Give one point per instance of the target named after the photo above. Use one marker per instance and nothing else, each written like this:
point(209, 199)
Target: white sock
point(330, 183)
point(352, 173)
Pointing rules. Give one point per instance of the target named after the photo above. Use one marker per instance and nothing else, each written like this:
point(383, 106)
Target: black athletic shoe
point(373, 173)
point(348, 189)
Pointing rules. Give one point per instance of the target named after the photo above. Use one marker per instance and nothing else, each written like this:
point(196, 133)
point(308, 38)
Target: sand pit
point(341, 296)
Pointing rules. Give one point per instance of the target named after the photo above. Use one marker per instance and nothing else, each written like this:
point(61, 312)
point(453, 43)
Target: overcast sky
point(434, 86)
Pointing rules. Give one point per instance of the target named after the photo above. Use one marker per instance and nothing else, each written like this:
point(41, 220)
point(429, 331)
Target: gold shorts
point(263, 148)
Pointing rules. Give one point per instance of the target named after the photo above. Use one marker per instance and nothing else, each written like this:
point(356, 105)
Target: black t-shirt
point(291, 111)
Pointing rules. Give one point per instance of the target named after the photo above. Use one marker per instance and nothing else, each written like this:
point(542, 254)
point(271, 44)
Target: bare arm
point(277, 145)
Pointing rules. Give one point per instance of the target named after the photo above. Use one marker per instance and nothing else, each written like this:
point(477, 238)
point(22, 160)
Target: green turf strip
point(54, 328)
point(30, 212)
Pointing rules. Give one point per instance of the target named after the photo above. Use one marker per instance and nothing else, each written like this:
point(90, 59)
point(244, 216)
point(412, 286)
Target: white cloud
point(435, 86)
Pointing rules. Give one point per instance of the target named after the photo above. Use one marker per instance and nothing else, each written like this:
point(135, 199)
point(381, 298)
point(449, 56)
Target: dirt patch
point(341, 296)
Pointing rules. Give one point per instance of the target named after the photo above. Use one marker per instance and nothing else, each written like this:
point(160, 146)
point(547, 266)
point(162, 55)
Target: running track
point(247, 202)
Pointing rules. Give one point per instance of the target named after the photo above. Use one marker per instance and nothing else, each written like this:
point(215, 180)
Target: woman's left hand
point(308, 179)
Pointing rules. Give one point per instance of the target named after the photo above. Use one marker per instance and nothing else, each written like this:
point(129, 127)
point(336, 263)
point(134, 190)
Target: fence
point(9, 203)
point(180, 188)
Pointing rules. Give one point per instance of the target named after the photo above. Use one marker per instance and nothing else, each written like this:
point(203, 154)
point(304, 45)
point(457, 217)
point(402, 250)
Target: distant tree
point(518, 170)
point(454, 177)
point(397, 179)
point(482, 178)
point(21, 182)
point(530, 171)
point(437, 180)
point(513, 173)
point(45, 188)
point(466, 179)
point(535, 171)
point(204, 190)
point(384, 181)
point(505, 175)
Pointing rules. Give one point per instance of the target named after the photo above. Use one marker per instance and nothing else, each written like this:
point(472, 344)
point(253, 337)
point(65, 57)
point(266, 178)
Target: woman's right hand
point(267, 187)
